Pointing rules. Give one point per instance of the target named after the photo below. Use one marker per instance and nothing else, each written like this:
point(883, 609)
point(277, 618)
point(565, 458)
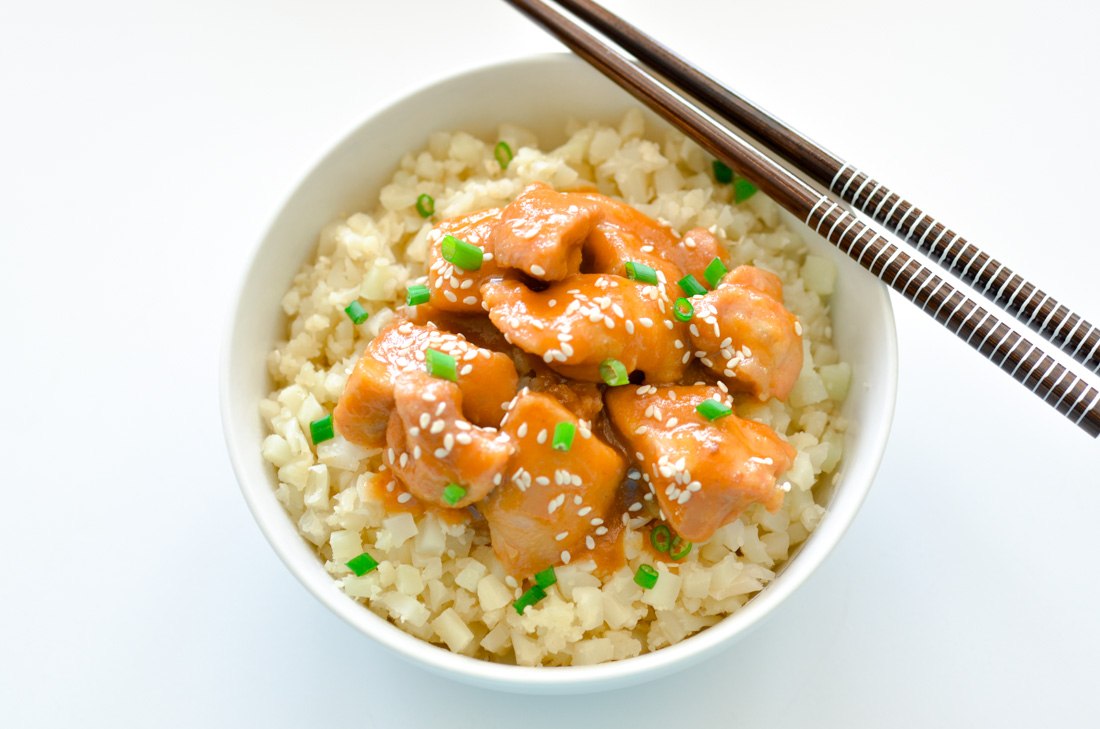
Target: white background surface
point(144, 146)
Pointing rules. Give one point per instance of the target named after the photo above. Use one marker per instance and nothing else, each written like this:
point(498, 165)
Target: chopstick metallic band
point(1045, 315)
point(1030, 366)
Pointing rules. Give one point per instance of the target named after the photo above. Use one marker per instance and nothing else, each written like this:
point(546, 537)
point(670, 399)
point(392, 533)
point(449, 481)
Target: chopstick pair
point(1022, 360)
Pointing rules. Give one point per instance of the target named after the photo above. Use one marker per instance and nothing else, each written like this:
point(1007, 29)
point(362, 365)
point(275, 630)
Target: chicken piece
point(477, 328)
point(583, 399)
point(694, 252)
point(487, 379)
point(576, 324)
point(624, 234)
point(704, 474)
point(552, 500)
point(432, 445)
point(452, 288)
point(746, 335)
point(541, 232)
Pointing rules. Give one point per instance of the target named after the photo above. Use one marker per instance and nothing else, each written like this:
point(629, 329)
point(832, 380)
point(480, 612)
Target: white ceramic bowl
point(539, 93)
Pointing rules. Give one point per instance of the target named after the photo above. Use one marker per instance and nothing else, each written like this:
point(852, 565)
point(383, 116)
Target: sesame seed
point(694, 330)
point(602, 530)
point(636, 506)
point(629, 326)
point(590, 542)
point(684, 496)
point(672, 422)
point(389, 487)
point(537, 270)
point(541, 437)
point(439, 410)
point(497, 479)
point(464, 438)
point(798, 328)
point(596, 522)
point(425, 420)
point(560, 536)
point(542, 481)
point(416, 453)
point(449, 295)
point(466, 369)
point(404, 497)
point(584, 511)
point(522, 430)
point(641, 430)
point(440, 453)
point(414, 431)
point(448, 441)
point(552, 303)
point(511, 581)
point(639, 456)
point(565, 557)
point(437, 427)
point(429, 396)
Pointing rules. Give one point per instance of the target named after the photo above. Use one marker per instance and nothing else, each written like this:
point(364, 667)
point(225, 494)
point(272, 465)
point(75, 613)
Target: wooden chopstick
point(1025, 362)
point(1027, 303)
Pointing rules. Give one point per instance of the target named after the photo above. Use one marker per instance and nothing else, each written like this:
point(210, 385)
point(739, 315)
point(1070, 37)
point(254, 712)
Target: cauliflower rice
point(443, 583)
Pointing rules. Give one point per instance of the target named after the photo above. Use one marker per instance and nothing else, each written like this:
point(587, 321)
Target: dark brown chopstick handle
point(1028, 364)
point(1027, 303)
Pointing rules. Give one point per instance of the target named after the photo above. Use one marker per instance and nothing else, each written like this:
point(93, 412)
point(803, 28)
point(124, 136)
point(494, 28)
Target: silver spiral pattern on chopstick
point(998, 342)
point(992, 279)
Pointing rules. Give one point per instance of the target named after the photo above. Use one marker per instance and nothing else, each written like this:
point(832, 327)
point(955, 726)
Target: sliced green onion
point(453, 493)
point(440, 365)
point(356, 312)
point(660, 538)
point(646, 576)
point(679, 548)
point(683, 310)
point(529, 598)
point(503, 153)
point(546, 578)
point(464, 255)
point(715, 271)
point(563, 436)
point(425, 205)
point(722, 172)
point(362, 564)
point(417, 294)
point(641, 272)
point(614, 373)
point(712, 410)
point(321, 429)
point(691, 287)
point(743, 190)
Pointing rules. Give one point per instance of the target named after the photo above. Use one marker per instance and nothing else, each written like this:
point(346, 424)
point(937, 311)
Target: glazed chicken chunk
point(551, 500)
point(743, 333)
point(541, 232)
point(576, 324)
point(487, 379)
point(431, 445)
point(703, 473)
point(624, 235)
point(695, 251)
point(453, 288)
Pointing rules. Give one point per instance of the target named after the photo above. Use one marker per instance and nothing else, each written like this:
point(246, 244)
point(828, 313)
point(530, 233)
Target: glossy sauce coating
point(528, 331)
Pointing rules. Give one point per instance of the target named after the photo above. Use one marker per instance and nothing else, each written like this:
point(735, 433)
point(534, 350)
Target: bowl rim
point(506, 676)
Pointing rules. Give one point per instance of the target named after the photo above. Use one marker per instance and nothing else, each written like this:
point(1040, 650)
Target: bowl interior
point(540, 93)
